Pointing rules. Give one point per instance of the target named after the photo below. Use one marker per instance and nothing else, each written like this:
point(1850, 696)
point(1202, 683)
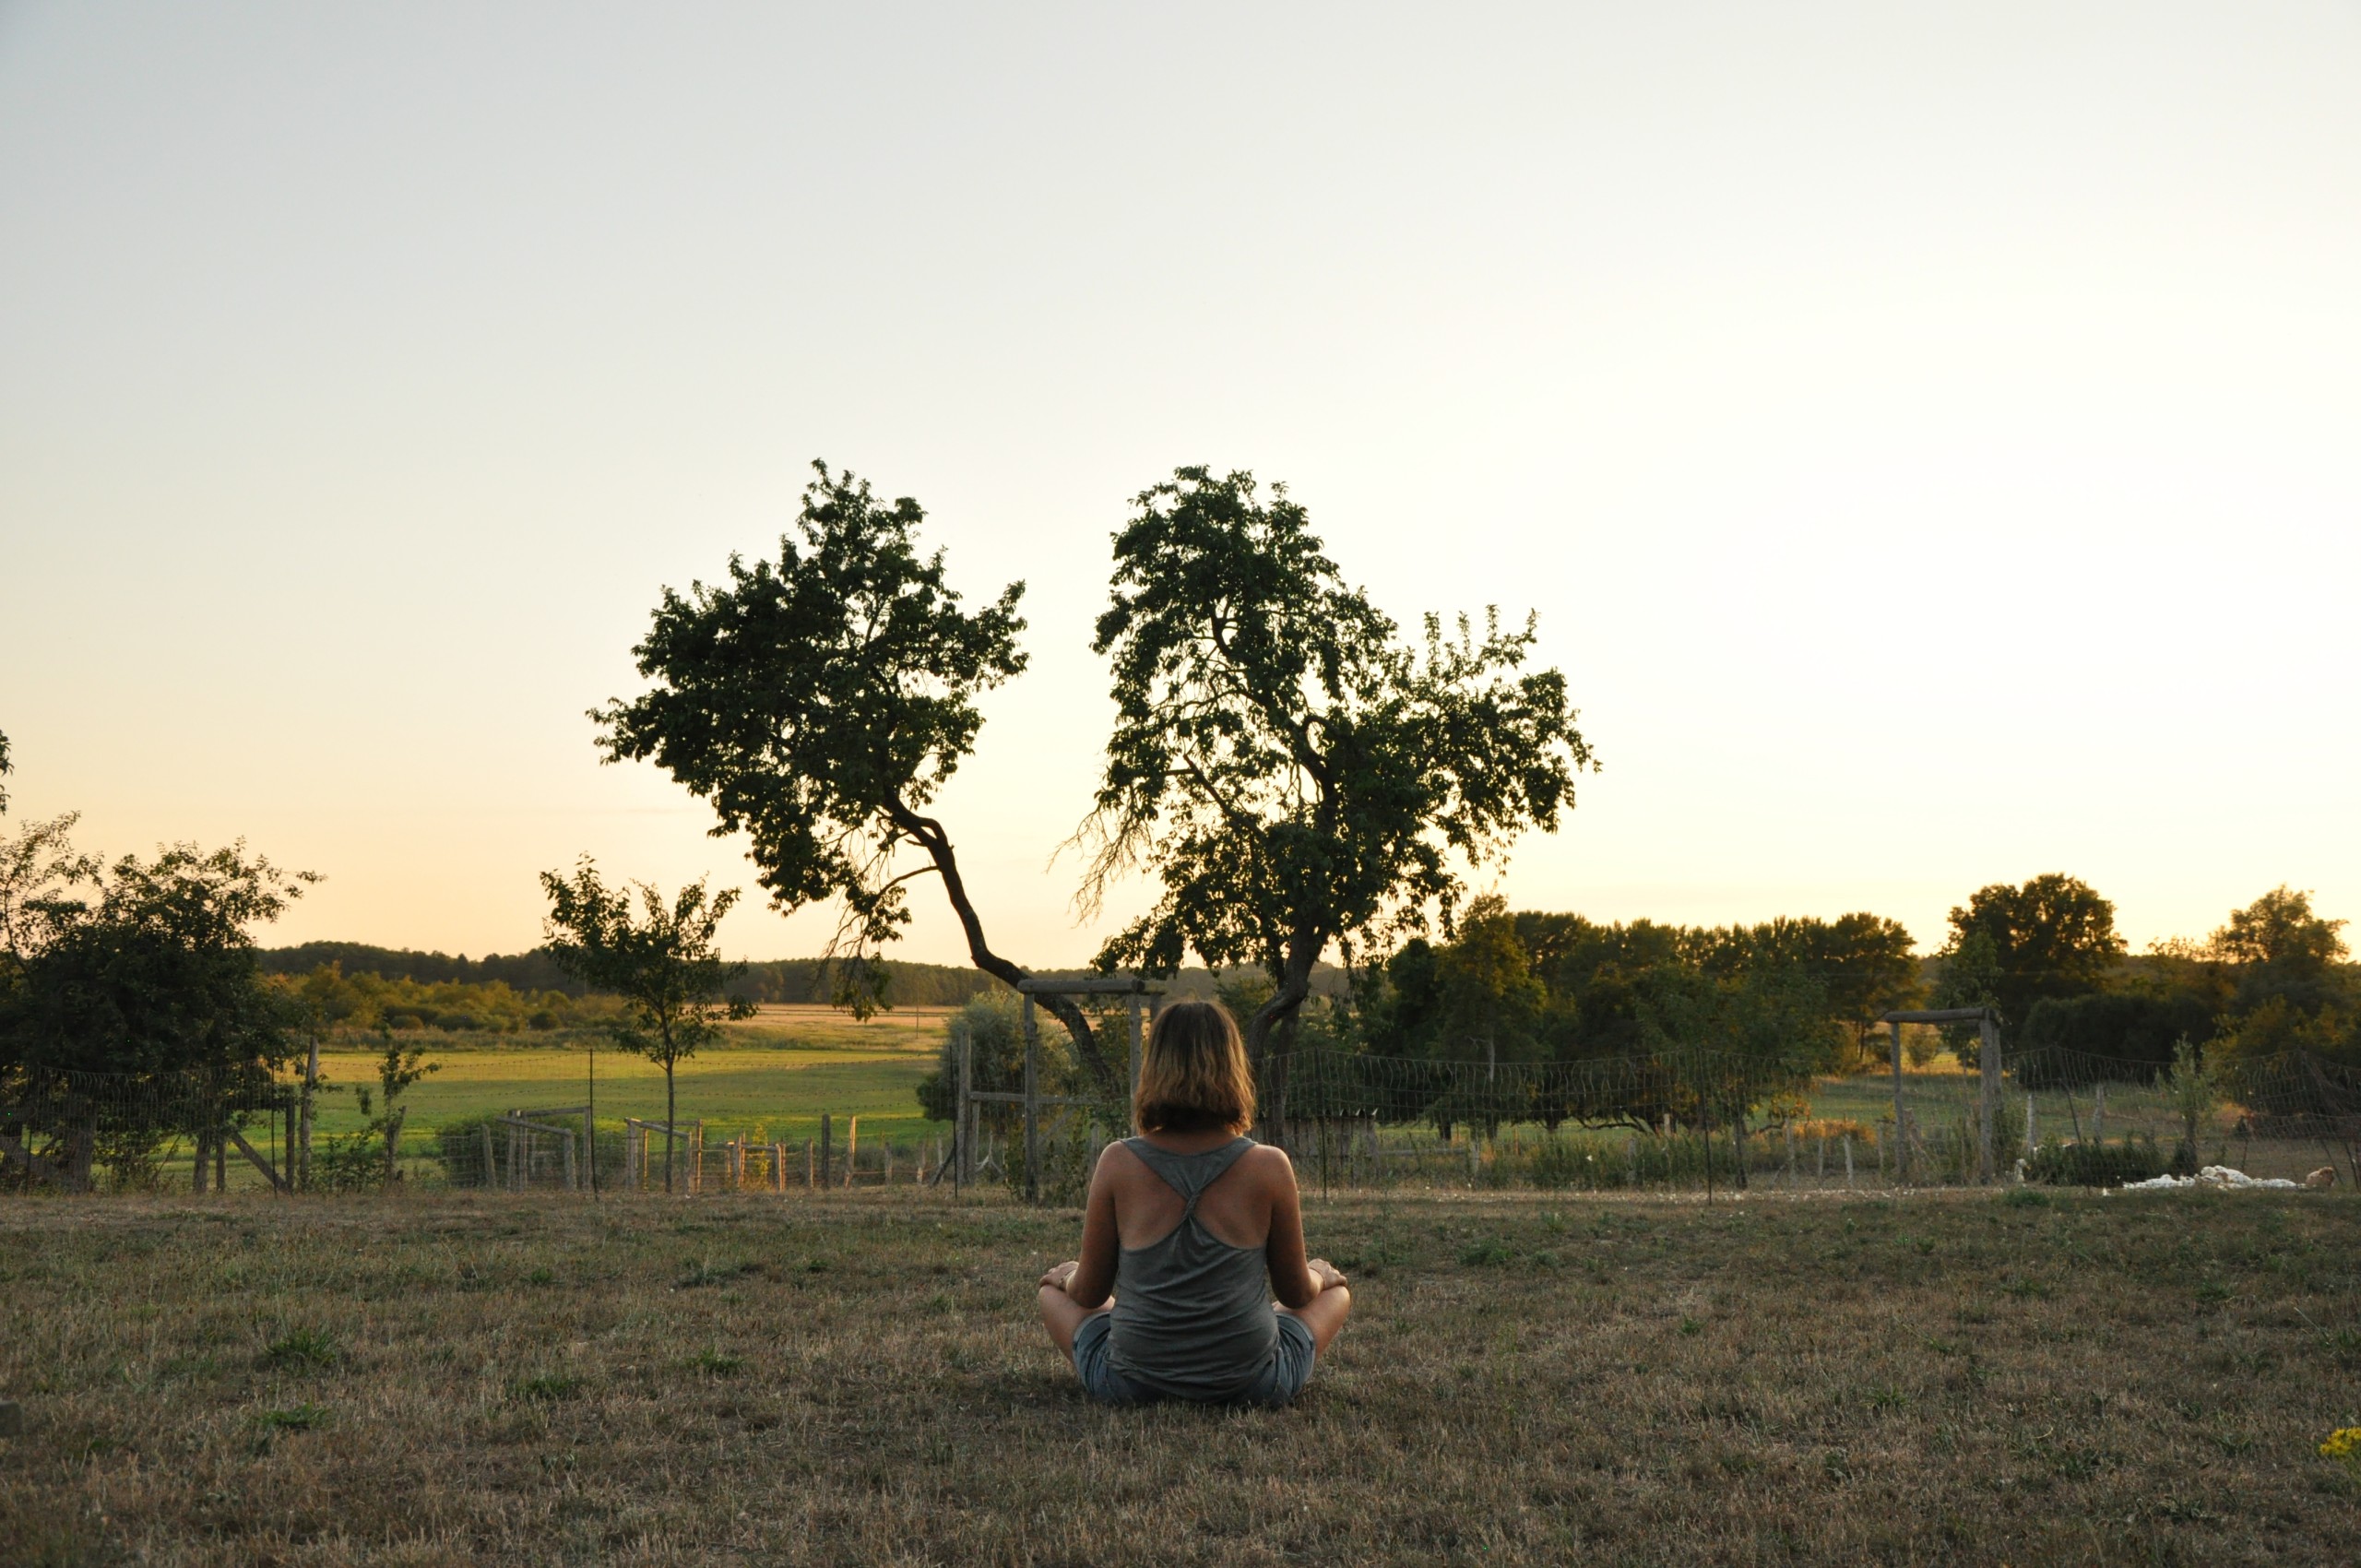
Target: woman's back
point(1192, 1312)
point(1190, 1229)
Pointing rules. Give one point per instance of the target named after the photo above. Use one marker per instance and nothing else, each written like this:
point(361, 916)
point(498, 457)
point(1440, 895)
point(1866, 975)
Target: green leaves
point(1292, 772)
point(2012, 947)
point(154, 972)
point(661, 960)
point(820, 701)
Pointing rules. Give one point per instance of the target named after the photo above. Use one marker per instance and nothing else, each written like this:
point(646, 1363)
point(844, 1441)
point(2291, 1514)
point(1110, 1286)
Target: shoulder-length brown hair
point(1194, 1073)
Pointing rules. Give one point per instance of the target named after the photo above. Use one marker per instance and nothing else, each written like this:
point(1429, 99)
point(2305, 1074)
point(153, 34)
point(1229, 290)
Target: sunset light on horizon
point(1924, 435)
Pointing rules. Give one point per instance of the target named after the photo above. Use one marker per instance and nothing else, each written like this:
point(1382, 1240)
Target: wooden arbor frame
point(963, 1165)
point(1988, 1055)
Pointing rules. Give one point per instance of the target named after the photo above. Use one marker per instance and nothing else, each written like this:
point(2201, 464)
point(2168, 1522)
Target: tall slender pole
point(303, 1128)
point(1901, 1133)
point(1705, 1136)
point(590, 1120)
point(1988, 1053)
point(963, 1119)
point(1032, 1106)
point(1137, 1004)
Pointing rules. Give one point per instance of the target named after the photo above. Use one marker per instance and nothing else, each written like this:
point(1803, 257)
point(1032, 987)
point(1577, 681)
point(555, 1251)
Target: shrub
point(453, 1023)
point(459, 1147)
point(1559, 1162)
point(2094, 1164)
point(353, 1162)
point(2136, 1030)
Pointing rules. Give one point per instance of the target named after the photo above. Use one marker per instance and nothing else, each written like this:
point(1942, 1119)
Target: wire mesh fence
point(1694, 1121)
point(94, 1133)
point(1676, 1122)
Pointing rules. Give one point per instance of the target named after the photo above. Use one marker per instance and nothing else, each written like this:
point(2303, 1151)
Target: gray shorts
point(1280, 1381)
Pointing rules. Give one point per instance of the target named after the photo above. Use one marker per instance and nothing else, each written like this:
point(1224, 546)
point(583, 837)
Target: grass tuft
point(715, 1363)
point(301, 1349)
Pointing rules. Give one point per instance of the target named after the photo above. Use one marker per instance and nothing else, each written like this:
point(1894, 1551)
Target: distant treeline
point(778, 980)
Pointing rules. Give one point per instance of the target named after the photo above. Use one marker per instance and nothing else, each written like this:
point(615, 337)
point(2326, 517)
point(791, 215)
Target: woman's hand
point(1061, 1274)
point(1327, 1273)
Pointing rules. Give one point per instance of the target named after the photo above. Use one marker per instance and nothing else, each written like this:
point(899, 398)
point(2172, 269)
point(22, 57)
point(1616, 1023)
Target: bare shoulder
point(1269, 1163)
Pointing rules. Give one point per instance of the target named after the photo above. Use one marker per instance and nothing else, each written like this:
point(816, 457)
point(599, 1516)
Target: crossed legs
point(1323, 1314)
point(1061, 1315)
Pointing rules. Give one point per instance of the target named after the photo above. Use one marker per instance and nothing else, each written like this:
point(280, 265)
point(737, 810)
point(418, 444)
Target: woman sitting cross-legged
point(1183, 1223)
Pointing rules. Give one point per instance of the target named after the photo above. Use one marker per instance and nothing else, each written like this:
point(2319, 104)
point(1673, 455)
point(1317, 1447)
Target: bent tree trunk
point(929, 835)
point(1270, 1034)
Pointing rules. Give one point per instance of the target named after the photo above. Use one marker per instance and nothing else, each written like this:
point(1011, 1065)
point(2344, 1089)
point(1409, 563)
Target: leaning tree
point(1291, 773)
point(820, 702)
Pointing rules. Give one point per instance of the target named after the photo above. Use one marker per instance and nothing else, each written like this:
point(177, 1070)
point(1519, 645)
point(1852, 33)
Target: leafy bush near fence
point(459, 1146)
point(2095, 1164)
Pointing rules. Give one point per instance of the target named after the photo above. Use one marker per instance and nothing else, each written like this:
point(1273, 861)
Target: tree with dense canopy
point(2276, 947)
point(156, 973)
point(1292, 774)
point(662, 962)
point(152, 977)
point(2053, 936)
point(820, 703)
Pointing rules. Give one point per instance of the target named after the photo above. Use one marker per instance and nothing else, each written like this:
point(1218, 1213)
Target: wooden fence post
point(852, 1148)
point(962, 1120)
point(1900, 1138)
point(1988, 1050)
point(827, 1134)
point(1032, 1105)
point(1138, 1004)
point(490, 1169)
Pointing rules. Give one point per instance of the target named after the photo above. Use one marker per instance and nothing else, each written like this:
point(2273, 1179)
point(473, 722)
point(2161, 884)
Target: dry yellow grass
point(480, 1378)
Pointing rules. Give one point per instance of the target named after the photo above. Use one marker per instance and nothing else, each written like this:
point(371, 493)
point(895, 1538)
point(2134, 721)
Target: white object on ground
point(2212, 1176)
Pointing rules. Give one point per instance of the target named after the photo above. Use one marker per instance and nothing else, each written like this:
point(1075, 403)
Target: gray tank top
point(1192, 1313)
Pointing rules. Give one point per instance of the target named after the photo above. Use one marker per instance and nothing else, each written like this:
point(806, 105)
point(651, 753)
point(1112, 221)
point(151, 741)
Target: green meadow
point(779, 1073)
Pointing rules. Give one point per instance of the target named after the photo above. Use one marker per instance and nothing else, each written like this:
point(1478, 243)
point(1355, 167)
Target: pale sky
point(1928, 433)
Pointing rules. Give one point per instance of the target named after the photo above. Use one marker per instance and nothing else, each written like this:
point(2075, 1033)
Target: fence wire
point(1673, 1122)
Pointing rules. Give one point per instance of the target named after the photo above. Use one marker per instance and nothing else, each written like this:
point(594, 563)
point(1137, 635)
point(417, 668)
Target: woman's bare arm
point(1293, 1277)
point(1093, 1279)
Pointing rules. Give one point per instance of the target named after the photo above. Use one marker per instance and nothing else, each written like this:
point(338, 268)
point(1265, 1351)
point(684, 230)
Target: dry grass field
point(478, 1379)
